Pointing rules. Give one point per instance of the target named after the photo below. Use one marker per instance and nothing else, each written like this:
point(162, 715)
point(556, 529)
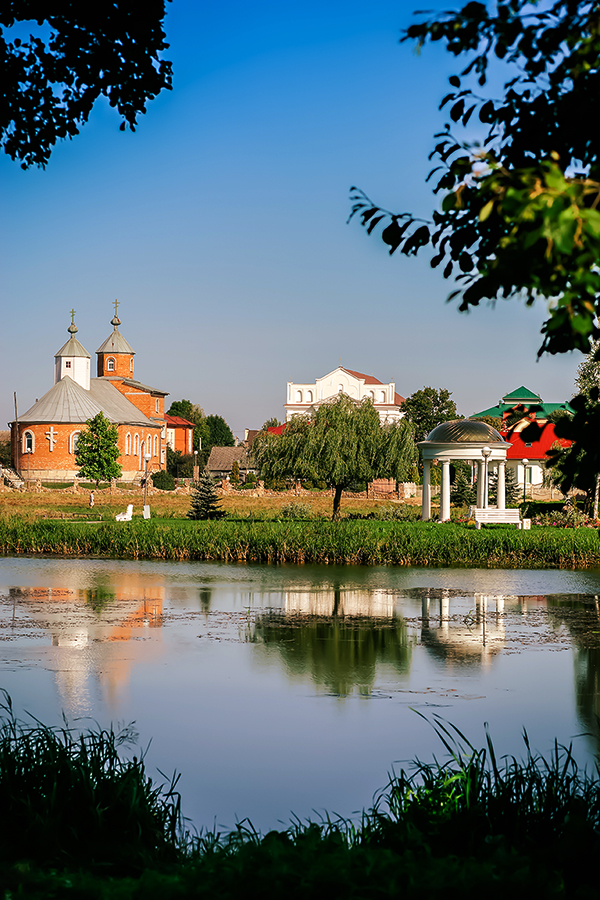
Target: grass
point(312, 541)
point(80, 822)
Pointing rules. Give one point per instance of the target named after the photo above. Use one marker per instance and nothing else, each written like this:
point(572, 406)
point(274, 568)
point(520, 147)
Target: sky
point(220, 225)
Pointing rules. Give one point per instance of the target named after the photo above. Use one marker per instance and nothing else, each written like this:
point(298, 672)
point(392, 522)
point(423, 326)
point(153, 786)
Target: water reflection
point(579, 615)
point(339, 654)
point(472, 639)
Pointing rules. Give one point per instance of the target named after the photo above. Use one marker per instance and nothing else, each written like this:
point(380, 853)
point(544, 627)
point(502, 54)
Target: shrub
point(163, 481)
point(295, 510)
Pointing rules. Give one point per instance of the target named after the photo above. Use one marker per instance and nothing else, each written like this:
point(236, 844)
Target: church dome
point(464, 431)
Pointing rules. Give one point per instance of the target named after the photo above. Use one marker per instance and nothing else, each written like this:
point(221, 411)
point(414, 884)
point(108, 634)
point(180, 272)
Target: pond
point(294, 690)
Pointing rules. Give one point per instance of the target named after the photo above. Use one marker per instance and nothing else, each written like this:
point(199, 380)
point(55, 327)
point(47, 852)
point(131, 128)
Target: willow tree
point(341, 442)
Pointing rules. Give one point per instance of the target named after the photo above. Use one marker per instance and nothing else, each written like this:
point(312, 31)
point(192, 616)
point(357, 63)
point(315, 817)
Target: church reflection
point(92, 626)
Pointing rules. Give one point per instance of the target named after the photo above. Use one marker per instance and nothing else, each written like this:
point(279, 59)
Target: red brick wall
point(59, 459)
point(123, 364)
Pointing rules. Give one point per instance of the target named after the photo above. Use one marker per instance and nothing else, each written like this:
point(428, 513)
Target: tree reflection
point(340, 654)
point(580, 613)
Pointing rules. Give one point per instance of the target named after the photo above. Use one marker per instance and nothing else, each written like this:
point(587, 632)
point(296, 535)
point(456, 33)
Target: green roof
point(524, 396)
point(521, 395)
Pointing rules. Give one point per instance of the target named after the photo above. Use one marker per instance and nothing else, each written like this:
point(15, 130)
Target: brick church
point(44, 438)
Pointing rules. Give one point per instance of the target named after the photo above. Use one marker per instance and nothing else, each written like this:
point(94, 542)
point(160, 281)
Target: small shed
point(468, 440)
point(221, 460)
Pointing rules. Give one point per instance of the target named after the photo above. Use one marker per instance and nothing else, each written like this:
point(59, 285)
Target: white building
point(303, 397)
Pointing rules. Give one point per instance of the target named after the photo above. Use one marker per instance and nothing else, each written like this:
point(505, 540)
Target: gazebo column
point(426, 504)
point(445, 492)
point(501, 501)
point(480, 483)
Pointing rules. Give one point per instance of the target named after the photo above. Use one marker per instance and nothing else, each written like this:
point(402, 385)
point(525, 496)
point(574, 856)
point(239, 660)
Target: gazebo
point(467, 440)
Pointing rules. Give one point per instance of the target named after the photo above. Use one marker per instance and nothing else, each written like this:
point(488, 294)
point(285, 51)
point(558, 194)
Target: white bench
point(492, 515)
point(125, 516)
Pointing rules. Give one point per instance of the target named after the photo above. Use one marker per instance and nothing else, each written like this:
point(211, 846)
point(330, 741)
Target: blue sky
point(220, 224)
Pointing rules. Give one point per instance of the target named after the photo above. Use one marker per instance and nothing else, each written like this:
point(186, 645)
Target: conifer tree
point(205, 502)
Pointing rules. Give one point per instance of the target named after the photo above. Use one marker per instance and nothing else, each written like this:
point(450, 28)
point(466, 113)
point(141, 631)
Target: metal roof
point(115, 343)
point(67, 401)
point(115, 406)
point(143, 387)
point(72, 348)
point(463, 431)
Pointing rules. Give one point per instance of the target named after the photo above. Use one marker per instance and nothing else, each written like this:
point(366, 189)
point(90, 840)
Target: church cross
point(73, 316)
point(116, 304)
point(51, 435)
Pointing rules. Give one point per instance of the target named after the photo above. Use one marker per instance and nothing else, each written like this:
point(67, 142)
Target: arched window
point(128, 444)
point(298, 396)
point(340, 388)
point(156, 445)
point(382, 396)
point(136, 444)
point(73, 438)
point(309, 396)
point(372, 395)
point(110, 364)
point(28, 442)
point(131, 364)
point(157, 405)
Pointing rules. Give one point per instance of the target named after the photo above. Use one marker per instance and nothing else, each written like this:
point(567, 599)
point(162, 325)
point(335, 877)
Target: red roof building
point(301, 398)
point(180, 434)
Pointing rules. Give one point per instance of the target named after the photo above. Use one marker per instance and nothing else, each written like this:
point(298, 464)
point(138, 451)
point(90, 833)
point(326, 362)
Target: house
point(221, 460)
point(180, 434)
point(525, 458)
point(303, 397)
point(44, 438)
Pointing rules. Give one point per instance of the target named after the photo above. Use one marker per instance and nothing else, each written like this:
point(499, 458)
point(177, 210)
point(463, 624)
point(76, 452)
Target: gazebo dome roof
point(464, 431)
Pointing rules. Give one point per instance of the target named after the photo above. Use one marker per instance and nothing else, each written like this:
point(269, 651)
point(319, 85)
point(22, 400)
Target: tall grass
point(79, 822)
point(69, 798)
point(313, 541)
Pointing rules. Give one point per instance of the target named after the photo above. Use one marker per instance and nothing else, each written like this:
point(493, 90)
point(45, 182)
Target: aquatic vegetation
point(315, 540)
point(473, 825)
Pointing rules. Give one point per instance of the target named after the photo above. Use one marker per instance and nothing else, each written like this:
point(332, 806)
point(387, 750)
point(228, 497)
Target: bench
point(125, 516)
point(493, 515)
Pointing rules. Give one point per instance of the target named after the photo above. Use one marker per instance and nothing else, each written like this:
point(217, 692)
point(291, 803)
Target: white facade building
point(303, 397)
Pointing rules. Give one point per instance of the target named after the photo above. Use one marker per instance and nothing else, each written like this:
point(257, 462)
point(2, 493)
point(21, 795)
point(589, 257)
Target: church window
point(156, 445)
point(372, 395)
point(128, 444)
point(309, 396)
point(131, 364)
point(382, 395)
point(73, 438)
point(136, 444)
point(157, 405)
point(298, 396)
point(110, 364)
point(28, 442)
point(68, 364)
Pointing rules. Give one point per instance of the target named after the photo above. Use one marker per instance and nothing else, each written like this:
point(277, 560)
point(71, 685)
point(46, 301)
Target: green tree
point(81, 51)
point(97, 452)
point(512, 491)
point(205, 502)
point(235, 472)
point(343, 442)
point(463, 493)
point(578, 466)
point(271, 423)
point(220, 434)
point(194, 413)
point(519, 214)
point(427, 408)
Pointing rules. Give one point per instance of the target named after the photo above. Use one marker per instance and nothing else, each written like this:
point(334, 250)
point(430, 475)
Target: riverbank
point(321, 541)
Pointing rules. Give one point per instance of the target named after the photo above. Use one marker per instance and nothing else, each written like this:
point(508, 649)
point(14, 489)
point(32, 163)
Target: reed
point(79, 822)
point(70, 798)
point(316, 540)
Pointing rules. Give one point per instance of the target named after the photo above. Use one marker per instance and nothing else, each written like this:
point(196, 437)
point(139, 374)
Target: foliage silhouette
point(51, 82)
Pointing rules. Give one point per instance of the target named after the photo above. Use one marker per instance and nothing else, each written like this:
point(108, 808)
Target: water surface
point(293, 689)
